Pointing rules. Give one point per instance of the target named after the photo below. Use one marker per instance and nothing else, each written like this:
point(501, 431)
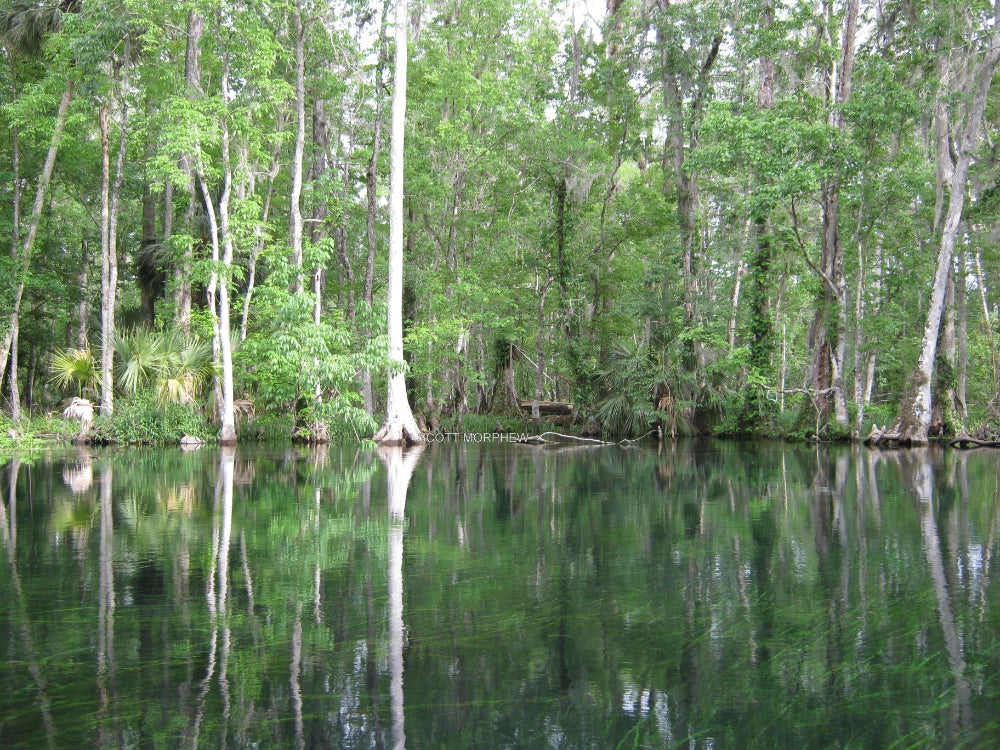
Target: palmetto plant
point(141, 356)
point(643, 387)
point(188, 365)
point(74, 367)
point(176, 366)
point(628, 380)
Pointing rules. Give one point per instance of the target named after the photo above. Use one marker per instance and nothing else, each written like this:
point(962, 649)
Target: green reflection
point(708, 595)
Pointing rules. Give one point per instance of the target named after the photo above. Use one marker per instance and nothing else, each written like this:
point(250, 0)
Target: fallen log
point(550, 408)
point(880, 436)
point(965, 441)
point(542, 439)
point(539, 439)
point(875, 436)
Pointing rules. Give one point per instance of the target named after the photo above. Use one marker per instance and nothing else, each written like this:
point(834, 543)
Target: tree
point(829, 341)
point(915, 411)
point(400, 427)
point(23, 26)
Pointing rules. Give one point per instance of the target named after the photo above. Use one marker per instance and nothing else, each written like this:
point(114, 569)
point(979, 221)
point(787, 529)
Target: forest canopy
point(765, 217)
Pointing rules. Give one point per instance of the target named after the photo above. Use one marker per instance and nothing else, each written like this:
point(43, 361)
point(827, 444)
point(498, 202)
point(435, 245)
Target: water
point(711, 595)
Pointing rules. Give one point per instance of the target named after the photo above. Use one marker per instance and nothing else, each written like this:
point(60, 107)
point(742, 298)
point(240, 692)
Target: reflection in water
point(918, 476)
point(217, 598)
point(399, 468)
point(19, 611)
point(78, 475)
point(106, 682)
point(709, 595)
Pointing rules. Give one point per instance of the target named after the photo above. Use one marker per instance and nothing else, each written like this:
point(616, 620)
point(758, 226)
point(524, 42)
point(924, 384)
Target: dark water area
point(707, 595)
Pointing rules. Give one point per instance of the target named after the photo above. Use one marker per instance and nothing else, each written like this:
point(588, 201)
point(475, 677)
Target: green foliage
point(174, 366)
point(74, 367)
point(629, 380)
point(141, 420)
point(283, 361)
point(487, 423)
point(537, 153)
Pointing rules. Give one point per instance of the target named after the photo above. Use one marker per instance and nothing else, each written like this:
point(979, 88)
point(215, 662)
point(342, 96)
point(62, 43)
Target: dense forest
point(755, 217)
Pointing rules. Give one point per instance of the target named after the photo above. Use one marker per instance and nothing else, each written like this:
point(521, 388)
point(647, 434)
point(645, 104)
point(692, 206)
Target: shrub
point(140, 420)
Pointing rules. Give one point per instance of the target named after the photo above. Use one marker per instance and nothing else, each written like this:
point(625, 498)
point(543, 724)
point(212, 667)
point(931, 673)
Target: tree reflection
point(18, 609)
point(106, 688)
point(217, 596)
point(399, 467)
point(726, 596)
point(917, 472)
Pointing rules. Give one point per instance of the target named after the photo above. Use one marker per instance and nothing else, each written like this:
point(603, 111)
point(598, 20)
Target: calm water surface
point(712, 595)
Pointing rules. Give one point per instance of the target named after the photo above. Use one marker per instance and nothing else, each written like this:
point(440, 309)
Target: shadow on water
point(701, 595)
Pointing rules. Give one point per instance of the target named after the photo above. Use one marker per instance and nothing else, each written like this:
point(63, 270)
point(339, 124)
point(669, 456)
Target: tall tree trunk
point(227, 431)
point(830, 322)
point(23, 261)
point(864, 348)
point(222, 255)
point(295, 208)
point(914, 418)
point(147, 269)
point(185, 266)
point(109, 272)
point(680, 124)
point(371, 194)
point(110, 205)
point(760, 268)
point(15, 238)
point(399, 427)
point(82, 307)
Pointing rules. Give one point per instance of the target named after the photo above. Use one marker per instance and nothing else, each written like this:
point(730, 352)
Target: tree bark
point(295, 208)
point(109, 272)
point(192, 80)
point(830, 321)
point(399, 427)
point(23, 261)
point(914, 418)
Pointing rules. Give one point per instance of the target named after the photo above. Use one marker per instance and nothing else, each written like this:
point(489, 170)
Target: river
point(467, 595)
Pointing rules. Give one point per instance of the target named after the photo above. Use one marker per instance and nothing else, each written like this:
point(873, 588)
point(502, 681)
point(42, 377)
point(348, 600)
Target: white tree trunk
point(218, 285)
point(915, 411)
point(35, 220)
point(399, 468)
point(227, 432)
point(109, 274)
point(295, 208)
point(399, 427)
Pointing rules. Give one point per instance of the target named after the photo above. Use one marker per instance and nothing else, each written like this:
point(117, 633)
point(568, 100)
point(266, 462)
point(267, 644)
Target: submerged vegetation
point(702, 217)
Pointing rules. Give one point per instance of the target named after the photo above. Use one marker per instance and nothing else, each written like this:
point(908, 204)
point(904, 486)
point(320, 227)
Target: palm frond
point(73, 367)
point(142, 355)
point(25, 25)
